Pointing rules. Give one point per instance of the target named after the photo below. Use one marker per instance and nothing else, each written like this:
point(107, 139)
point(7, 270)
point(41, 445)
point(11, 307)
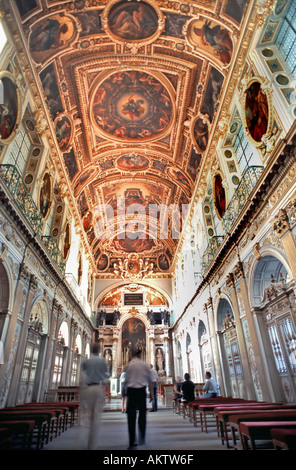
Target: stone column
point(230, 281)
point(255, 361)
point(167, 359)
point(209, 311)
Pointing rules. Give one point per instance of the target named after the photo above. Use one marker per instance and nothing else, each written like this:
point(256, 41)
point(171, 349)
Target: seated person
point(188, 389)
point(210, 387)
point(177, 388)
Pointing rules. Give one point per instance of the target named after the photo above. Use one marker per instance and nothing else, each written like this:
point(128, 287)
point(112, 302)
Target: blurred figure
point(154, 379)
point(138, 378)
point(92, 395)
point(123, 391)
point(210, 387)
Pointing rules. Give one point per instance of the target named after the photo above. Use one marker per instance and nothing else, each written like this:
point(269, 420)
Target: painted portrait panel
point(212, 93)
point(194, 162)
point(163, 262)
point(9, 108)
point(133, 336)
point(51, 90)
point(45, 195)
point(256, 111)
point(132, 21)
point(212, 37)
point(64, 131)
point(51, 35)
point(219, 196)
point(201, 133)
point(67, 240)
point(102, 263)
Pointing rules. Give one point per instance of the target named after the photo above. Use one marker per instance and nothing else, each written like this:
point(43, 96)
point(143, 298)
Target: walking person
point(137, 379)
point(123, 392)
point(154, 379)
point(92, 395)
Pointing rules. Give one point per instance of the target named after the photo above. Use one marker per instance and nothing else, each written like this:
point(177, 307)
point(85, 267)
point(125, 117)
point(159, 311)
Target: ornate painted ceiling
point(132, 89)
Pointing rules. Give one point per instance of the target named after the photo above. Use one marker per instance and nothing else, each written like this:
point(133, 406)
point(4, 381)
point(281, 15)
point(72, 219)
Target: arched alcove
point(269, 270)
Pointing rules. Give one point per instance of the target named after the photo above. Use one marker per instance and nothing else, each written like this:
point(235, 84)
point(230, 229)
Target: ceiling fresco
point(132, 89)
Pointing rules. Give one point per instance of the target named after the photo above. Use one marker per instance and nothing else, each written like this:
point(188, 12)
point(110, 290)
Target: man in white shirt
point(210, 387)
point(137, 379)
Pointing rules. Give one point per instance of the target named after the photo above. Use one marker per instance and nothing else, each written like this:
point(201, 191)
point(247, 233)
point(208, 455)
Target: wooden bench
point(206, 410)
point(205, 401)
point(252, 431)
point(256, 415)
point(283, 438)
point(223, 412)
point(20, 429)
point(44, 422)
point(5, 438)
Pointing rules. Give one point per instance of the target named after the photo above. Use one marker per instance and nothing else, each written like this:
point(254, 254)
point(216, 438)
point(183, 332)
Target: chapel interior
point(148, 193)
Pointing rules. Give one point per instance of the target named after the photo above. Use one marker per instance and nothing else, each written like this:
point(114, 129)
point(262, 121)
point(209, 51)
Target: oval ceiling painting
point(9, 107)
point(132, 106)
point(256, 111)
point(132, 162)
point(133, 20)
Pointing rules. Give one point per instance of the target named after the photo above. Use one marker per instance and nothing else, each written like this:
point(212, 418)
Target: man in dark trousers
point(137, 379)
point(187, 388)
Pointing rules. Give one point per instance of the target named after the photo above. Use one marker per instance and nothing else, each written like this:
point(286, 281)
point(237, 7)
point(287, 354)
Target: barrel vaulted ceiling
point(132, 89)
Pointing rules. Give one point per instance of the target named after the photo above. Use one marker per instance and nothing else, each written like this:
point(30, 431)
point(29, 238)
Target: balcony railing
point(248, 182)
point(54, 252)
point(24, 201)
point(22, 197)
point(210, 252)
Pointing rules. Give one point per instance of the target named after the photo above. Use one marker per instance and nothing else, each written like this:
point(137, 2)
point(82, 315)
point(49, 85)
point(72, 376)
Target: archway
point(233, 372)
point(204, 346)
point(274, 300)
point(32, 365)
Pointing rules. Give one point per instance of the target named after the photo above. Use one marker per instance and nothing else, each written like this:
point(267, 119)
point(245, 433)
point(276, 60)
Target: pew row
point(266, 416)
point(283, 438)
point(49, 420)
point(223, 412)
point(253, 431)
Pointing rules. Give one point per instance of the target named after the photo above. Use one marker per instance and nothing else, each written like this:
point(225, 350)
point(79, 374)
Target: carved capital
point(230, 281)
point(281, 223)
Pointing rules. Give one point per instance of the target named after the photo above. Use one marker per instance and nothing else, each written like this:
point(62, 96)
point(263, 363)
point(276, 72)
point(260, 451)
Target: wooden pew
point(206, 410)
point(252, 431)
point(223, 412)
point(5, 438)
point(256, 415)
point(202, 401)
point(283, 438)
point(20, 429)
point(44, 421)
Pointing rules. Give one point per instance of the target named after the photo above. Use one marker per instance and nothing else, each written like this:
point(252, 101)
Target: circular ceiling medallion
point(132, 106)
